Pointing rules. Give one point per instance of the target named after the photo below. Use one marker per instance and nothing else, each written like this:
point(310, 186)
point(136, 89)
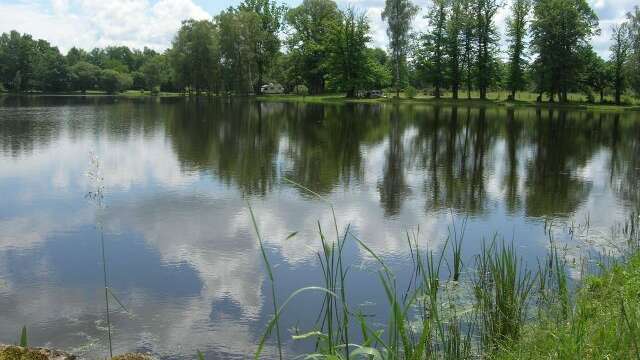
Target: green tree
point(84, 76)
point(17, 55)
point(113, 82)
point(265, 42)
point(239, 31)
point(455, 30)
point(517, 32)
point(431, 56)
point(380, 75)
point(560, 29)
point(50, 71)
point(311, 23)
point(487, 39)
point(595, 74)
point(349, 65)
point(194, 56)
point(633, 23)
point(398, 14)
point(468, 42)
point(620, 48)
point(75, 55)
point(155, 71)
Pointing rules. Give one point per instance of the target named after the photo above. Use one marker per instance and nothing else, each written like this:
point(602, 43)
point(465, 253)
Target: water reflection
point(179, 173)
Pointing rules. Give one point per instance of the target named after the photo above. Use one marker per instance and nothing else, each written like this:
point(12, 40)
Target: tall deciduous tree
point(633, 22)
point(398, 14)
point(311, 23)
point(455, 31)
point(468, 44)
point(84, 76)
point(560, 29)
point(517, 31)
point(17, 53)
point(620, 48)
point(435, 46)
point(194, 55)
point(349, 63)
point(487, 39)
point(265, 42)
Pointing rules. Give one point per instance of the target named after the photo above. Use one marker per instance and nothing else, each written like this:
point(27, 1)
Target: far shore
point(494, 99)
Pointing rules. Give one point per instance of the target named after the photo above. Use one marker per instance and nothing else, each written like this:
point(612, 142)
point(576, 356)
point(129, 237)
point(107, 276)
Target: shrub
point(410, 91)
point(112, 81)
point(301, 90)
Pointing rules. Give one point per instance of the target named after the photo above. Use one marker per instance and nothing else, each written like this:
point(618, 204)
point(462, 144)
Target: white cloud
point(91, 23)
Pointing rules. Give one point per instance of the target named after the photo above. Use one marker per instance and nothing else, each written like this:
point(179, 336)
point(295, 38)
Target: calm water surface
point(178, 174)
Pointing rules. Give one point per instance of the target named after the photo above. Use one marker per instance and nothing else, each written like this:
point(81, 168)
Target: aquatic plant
point(483, 312)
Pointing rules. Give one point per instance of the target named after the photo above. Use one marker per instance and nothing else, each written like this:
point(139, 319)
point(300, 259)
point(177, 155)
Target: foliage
point(308, 43)
point(241, 48)
point(455, 27)
point(24, 341)
point(633, 23)
point(156, 72)
point(398, 14)
point(487, 37)
point(348, 63)
point(517, 31)
point(113, 81)
point(265, 44)
point(300, 90)
point(194, 55)
point(84, 76)
point(430, 56)
point(603, 324)
point(619, 56)
point(410, 92)
point(560, 29)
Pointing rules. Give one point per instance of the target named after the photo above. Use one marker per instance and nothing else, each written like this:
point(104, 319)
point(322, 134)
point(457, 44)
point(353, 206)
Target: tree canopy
point(319, 46)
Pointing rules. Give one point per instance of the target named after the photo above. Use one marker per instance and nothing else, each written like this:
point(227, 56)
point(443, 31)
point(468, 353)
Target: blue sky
point(152, 23)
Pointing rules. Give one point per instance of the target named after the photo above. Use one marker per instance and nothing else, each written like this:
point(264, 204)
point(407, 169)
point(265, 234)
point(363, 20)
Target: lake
point(177, 177)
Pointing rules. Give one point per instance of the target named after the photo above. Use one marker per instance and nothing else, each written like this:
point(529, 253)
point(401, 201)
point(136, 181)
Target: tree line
point(317, 47)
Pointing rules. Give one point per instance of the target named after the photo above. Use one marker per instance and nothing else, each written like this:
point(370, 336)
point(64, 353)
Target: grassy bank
point(127, 94)
point(527, 99)
point(495, 307)
point(603, 322)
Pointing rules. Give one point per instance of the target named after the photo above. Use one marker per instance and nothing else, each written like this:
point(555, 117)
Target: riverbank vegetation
point(494, 307)
point(317, 48)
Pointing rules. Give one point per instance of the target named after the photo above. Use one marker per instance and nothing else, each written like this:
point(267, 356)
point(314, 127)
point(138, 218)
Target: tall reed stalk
point(502, 288)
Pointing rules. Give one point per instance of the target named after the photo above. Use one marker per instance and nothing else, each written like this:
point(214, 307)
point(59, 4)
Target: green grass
point(493, 98)
point(603, 324)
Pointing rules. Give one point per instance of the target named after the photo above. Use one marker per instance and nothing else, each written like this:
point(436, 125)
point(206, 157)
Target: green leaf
point(366, 352)
point(23, 337)
point(308, 335)
point(292, 235)
point(200, 355)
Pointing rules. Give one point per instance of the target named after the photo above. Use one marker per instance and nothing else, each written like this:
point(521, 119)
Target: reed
point(426, 314)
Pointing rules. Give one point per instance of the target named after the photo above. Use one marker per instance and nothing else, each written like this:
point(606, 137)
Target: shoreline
point(339, 99)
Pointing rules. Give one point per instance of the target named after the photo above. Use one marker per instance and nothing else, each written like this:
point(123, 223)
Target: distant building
point(369, 93)
point(272, 89)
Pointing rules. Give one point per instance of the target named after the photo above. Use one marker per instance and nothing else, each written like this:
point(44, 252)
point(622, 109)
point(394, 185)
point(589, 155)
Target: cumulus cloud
point(91, 23)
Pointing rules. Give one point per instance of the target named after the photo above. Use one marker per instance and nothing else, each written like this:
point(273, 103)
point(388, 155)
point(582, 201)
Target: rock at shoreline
point(12, 352)
point(133, 356)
